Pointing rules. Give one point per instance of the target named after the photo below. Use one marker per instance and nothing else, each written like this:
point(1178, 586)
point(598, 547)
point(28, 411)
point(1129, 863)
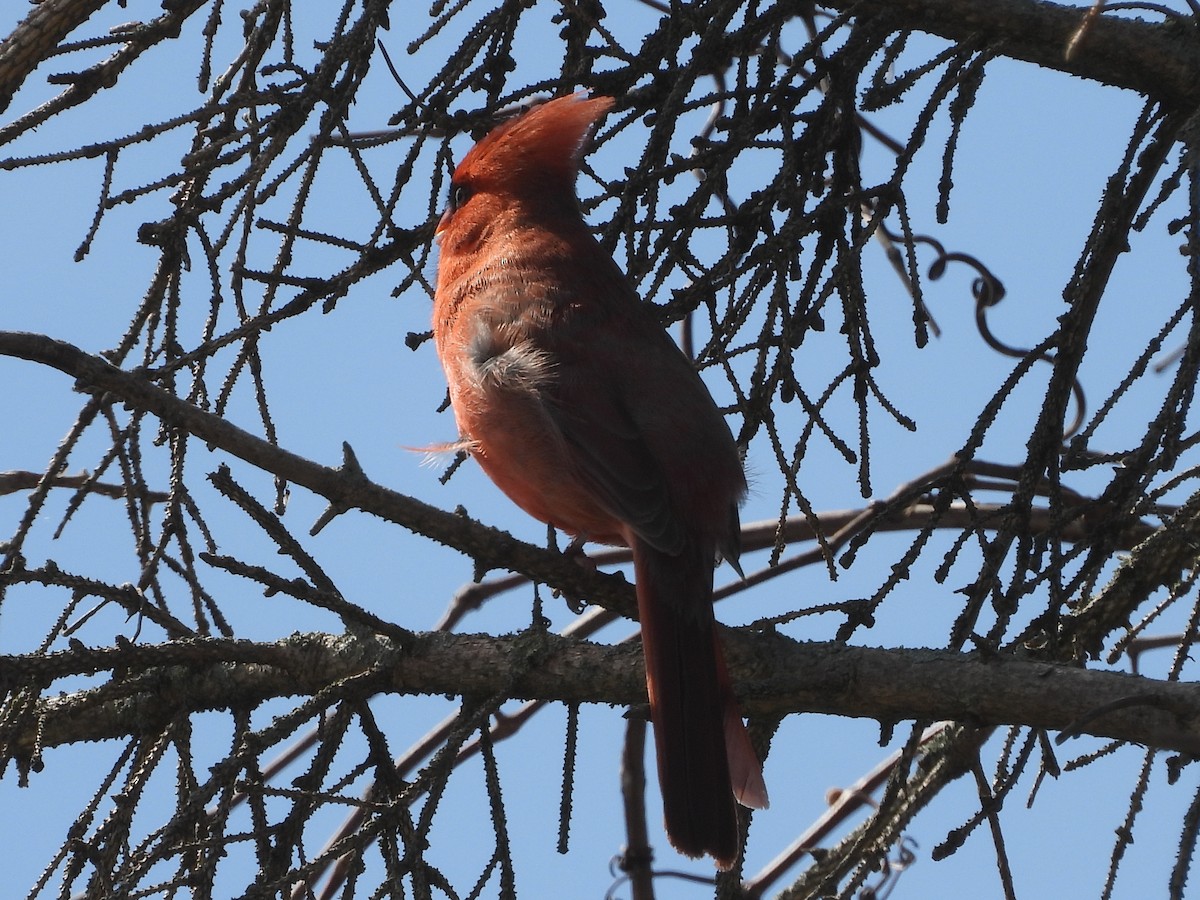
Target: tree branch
point(33, 41)
point(346, 487)
point(776, 676)
point(1161, 61)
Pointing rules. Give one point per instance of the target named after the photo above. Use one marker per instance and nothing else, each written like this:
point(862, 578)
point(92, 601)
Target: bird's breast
point(502, 373)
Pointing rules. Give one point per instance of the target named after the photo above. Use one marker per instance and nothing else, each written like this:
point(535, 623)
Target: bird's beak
point(443, 224)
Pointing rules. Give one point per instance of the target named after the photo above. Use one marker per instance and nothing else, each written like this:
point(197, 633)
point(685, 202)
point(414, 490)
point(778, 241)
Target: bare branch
point(777, 676)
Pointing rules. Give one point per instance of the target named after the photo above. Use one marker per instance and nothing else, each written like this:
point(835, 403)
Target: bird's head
point(532, 159)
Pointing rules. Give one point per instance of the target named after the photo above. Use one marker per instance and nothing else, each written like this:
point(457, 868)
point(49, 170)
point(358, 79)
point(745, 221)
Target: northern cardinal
point(579, 406)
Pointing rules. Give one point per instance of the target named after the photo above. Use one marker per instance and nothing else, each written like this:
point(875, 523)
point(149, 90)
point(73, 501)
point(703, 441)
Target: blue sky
point(1033, 158)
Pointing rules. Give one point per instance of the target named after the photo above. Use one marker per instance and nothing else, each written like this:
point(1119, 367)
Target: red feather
point(578, 405)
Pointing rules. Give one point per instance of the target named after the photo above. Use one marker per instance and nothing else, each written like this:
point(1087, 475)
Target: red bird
point(579, 406)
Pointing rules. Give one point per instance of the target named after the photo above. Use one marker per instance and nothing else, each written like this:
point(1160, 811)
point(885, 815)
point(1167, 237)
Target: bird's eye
point(459, 194)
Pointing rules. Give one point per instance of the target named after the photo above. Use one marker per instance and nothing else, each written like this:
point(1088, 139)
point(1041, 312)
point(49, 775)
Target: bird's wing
point(599, 358)
point(610, 455)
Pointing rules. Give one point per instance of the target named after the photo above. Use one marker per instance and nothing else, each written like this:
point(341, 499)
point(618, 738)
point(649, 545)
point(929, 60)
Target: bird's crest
point(544, 142)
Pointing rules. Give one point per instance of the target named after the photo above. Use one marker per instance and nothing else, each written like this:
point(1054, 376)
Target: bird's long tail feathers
point(745, 771)
point(705, 758)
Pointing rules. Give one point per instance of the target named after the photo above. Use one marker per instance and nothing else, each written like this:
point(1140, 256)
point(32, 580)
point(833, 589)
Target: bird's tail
point(705, 758)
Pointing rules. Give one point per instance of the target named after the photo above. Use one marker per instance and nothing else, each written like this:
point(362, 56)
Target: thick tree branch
point(1161, 61)
point(777, 676)
point(33, 41)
